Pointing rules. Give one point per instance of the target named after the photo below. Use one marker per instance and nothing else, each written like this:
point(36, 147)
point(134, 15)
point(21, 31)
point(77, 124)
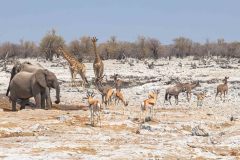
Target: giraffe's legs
point(71, 71)
point(84, 79)
point(73, 79)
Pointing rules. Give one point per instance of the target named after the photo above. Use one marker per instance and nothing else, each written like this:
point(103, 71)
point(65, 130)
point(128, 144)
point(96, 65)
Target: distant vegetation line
point(143, 47)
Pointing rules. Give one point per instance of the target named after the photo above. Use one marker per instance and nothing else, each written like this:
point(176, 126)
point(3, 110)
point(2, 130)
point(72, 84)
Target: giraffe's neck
point(97, 57)
point(68, 57)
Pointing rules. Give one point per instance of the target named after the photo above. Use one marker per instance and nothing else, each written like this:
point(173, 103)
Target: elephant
point(25, 66)
point(25, 85)
point(51, 78)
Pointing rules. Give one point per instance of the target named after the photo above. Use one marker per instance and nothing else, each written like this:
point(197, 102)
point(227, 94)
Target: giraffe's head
point(60, 50)
point(94, 39)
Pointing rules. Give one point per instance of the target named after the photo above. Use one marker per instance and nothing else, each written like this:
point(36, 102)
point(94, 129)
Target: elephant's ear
point(41, 78)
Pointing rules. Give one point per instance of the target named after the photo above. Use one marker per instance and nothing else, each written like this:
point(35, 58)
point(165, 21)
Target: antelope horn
point(88, 93)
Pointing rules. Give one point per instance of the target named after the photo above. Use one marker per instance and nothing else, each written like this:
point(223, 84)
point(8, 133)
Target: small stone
point(146, 127)
point(38, 127)
point(63, 118)
point(147, 119)
point(137, 131)
point(199, 131)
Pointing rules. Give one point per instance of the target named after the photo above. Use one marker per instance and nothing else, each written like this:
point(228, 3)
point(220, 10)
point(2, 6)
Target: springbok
point(174, 91)
point(108, 96)
point(222, 88)
point(119, 96)
point(94, 107)
point(200, 97)
point(117, 82)
point(106, 91)
point(149, 103)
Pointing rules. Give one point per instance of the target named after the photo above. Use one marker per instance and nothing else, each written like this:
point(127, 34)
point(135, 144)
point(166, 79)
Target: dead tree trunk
point(5, 62)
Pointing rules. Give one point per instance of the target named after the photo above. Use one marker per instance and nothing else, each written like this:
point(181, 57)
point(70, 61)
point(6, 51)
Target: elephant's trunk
point(57, 88)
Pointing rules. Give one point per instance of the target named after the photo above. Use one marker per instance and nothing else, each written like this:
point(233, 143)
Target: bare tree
point(142, 47)
point(86, 46)
point(49, 44)
point(182, 47)
point(234, 49)
point(111, 47)
point(75, 48)
point(10, 48)
point(28, 49)
point(154, 47)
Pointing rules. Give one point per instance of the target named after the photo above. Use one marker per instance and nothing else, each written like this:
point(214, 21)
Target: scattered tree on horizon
point(143, 47)
point(50, 43)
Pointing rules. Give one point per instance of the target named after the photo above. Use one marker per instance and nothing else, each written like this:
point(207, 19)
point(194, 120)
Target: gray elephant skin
point(51, 82)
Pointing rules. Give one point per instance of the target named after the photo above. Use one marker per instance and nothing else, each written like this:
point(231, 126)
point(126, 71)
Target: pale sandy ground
point(58, 134)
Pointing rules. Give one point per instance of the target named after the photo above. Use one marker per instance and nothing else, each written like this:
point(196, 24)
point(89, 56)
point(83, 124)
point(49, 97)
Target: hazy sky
point(126, 19)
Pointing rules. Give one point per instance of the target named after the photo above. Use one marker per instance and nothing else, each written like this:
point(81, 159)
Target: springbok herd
point(147, 106)
point(109, 93)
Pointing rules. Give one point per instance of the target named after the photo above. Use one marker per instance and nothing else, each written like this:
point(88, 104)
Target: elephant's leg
point(37, 99)
point(43, 98)
point(48, 99)
point(8, 89)
point(22, 106)
point(23, 103)
point(14, 105)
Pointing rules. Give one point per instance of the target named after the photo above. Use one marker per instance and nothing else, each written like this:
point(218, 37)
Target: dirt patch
point(15, 134)
point(64, 131)
point(84, 150)
point(8, 125)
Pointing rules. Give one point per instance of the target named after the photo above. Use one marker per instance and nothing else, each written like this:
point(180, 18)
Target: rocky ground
point(182, 131)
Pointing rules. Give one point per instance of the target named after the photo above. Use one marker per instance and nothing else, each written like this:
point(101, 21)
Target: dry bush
point(142, 48)
point(49, 44)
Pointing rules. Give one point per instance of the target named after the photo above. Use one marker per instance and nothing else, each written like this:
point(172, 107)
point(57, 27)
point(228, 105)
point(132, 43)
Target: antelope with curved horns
point(149, 103)
point(117, 82)
point(94, 107)
point(200, 97)
point(106, 91)
point(119, 96)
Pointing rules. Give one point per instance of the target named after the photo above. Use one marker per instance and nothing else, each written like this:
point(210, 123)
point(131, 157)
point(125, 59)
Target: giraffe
point(98, 66)
point(74, 65)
